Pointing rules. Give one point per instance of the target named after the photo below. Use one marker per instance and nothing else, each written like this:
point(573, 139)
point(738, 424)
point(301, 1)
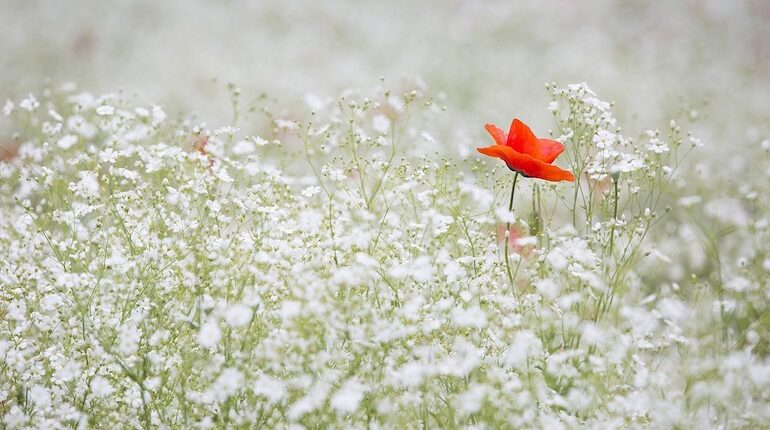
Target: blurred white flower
point(237, 315)
point(348, 397)
point(101, 387)
point(209, 334)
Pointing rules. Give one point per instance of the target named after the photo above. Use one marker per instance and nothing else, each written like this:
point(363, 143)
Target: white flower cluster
point(155, 273)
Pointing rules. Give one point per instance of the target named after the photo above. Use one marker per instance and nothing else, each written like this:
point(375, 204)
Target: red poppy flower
point(526, 154)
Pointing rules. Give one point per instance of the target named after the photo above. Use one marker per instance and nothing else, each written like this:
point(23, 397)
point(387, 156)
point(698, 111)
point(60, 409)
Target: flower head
point(526, 154)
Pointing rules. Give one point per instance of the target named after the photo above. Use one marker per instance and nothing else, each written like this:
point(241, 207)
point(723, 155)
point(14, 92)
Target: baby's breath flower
point(8, 107)
point(158, 273)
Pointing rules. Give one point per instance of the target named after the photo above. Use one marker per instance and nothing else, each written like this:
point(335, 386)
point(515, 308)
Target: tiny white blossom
point(657, 146)
point(238, 315)
point(689, 201)
point(105, 110)
point(472, 317)
point(314, 102)
point(158, 115)
point(8, 107)
point(209, 334)
point(17, 310)
point(311, 191)
point(29, 103)
point(525, 344)
point(67, 141)
point(553, 106)
point(472, 399)
point(381, 123)
point(260, 141)
point(101, 387)
point(243, 147)
point(88, 185)
point(286, 124)
point(271, 388)
point(348, 397)
point(40, 396)
point(228, 383)
point(55, 115)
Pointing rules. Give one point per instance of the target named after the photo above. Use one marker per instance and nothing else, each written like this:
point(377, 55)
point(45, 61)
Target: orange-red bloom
point(525, 153)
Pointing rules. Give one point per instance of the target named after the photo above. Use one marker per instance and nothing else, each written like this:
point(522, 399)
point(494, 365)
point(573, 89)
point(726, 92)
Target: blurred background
point(655, 59)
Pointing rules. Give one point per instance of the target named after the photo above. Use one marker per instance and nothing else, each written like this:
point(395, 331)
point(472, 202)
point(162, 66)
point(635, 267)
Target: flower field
point(367, 255)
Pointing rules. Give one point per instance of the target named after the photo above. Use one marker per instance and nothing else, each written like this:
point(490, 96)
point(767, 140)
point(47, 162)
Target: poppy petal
point(526, 164)
point(498, 151)
point(549, 149)
point(497, 134)
point(549, 172)
point(521, 139)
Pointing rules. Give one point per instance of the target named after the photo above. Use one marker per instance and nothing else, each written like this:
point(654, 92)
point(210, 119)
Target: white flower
point(453, 271)
point(55, 115)
point(209, 334)
point(525, 344)
point(67, 141)
point(396, 102)
point(105, 110)
point(314, 399)
point(213, 205)
point(30, 103)
point(88, 186)
point(244, 147)
point(238, 315)
point(272, 389)
point(504, 215)
point(8, 107)
point(334, 174)
point(657, 146)
point(81, 126)
point(40, 396)
point(158, 115)
point(259, 141)
point(739, 284)
point(101, 387)
point(227, 130)
point(553, 106)
point(311, 191)
point(348, 397)
point(17, 310)
point(474, 317)
point(128, 340)
point(289, 309)
point(472, 399)
point(71, 370)
point(604, 139)
point(548, 287)
point(227, 384)
point(286, 124)
point(381, 124)
point(557, 259)
point(428, 137)
point(314, 102)
point(688, 201)
point(420, 269)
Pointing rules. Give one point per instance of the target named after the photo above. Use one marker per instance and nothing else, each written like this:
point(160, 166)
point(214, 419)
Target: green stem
point(508, 233)
point(606, 300)
point(614, 215)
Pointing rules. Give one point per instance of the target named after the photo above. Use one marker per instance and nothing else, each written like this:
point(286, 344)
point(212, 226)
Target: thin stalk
point(614, 215)
point(605, 304)
point(508, 233)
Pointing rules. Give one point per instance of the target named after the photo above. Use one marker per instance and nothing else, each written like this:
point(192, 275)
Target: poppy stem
point(508, 233)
